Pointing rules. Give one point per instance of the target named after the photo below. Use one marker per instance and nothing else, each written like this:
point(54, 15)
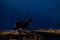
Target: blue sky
point(44, 13)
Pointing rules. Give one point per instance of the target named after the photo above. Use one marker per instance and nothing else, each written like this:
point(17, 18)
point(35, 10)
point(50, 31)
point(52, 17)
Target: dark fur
point(22, 24)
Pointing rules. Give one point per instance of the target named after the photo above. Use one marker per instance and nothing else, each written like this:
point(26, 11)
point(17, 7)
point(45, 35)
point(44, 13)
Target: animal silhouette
point(23, 24)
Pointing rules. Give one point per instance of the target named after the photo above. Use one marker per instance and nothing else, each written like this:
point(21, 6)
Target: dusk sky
point(44, 13)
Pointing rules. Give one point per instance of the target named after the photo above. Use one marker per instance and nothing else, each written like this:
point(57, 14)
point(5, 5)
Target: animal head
point(29, 20)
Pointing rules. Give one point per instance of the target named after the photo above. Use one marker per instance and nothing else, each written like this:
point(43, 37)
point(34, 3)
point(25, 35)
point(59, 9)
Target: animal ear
point(29, 19)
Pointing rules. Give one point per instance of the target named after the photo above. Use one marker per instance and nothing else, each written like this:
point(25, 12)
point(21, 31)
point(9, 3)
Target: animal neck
point(28, 22)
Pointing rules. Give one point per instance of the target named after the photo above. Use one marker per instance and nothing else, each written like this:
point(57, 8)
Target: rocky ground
point(31, 35)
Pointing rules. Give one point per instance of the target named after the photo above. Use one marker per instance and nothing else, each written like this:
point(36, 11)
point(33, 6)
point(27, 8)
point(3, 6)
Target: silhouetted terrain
point(28, 35)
